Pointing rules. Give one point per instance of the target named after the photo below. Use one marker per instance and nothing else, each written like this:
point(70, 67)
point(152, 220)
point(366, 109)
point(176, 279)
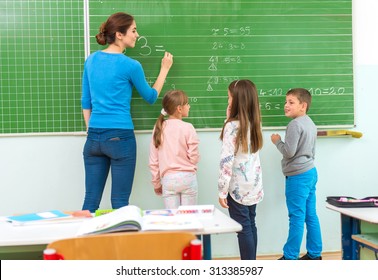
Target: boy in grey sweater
point(298, 151)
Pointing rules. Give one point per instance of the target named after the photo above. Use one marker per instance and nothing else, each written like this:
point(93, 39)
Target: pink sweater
point(178, 151)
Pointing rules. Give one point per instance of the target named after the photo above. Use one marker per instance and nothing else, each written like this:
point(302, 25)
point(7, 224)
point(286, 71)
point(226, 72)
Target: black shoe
point(282, 259)
point(308, 258)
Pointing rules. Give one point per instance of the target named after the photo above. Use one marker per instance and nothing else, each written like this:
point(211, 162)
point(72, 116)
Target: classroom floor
point(326, 256)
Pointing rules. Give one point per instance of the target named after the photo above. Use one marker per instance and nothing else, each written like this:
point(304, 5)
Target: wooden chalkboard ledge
point(330, 133)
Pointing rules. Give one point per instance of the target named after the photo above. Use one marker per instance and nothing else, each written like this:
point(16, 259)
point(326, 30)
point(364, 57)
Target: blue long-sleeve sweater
point(108, 80)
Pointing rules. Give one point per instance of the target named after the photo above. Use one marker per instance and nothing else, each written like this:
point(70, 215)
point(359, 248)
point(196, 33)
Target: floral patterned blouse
point(240, 174)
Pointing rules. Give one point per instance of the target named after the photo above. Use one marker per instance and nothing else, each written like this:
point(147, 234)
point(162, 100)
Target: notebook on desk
point(47, 217)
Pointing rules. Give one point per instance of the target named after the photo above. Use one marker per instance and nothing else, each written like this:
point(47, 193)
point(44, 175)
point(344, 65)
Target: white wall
point(39, 173)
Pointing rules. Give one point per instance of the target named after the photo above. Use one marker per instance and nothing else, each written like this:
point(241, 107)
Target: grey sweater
point(298, 150)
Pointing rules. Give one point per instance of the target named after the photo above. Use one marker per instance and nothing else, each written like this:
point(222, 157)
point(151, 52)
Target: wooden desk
point(352, 220)
point(32, 239)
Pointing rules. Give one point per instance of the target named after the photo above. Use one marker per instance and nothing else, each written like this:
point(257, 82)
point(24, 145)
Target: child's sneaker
point(308, 258)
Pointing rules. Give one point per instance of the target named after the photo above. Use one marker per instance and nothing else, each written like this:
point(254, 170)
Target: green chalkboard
point(41, 60)
point(277, 44)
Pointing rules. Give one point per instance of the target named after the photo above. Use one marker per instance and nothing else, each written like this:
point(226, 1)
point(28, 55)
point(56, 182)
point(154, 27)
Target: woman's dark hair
point(118, 22)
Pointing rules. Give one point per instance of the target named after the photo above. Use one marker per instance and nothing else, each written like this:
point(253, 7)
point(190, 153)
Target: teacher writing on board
point(108, 79)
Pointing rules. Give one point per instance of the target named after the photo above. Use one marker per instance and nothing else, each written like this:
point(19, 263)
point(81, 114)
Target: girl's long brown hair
point(245, 108)
point(171, 100)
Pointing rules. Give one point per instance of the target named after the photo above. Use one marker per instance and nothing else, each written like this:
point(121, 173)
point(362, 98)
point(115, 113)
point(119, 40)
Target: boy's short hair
point(302, 94)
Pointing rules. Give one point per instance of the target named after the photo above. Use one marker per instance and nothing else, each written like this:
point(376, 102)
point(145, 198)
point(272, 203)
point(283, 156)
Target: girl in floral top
point(240, 177)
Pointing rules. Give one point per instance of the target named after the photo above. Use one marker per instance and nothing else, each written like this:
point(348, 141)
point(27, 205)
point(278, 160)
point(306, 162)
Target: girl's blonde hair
point(245, 108)
point(171, 100)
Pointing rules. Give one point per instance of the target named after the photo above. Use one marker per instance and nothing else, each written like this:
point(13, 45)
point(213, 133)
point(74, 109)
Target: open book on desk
point(132, 218)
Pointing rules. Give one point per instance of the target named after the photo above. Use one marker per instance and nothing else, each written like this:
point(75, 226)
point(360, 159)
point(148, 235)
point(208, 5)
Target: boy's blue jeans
point(247, 237)
point(104, 150)
point(301, 205)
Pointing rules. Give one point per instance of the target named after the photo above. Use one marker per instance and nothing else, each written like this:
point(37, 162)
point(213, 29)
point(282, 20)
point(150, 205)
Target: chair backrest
point(162, 245)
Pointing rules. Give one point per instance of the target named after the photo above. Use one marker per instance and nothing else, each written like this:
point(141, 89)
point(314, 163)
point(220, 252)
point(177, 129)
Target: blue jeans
point(104, 150)
point(301, 205)
point(247, 237)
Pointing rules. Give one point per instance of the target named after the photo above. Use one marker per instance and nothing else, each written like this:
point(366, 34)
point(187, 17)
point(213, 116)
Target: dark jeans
point(247, 237)
point(104, 150)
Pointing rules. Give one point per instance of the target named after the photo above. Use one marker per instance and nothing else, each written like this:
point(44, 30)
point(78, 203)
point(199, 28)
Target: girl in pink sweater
point(174, 153)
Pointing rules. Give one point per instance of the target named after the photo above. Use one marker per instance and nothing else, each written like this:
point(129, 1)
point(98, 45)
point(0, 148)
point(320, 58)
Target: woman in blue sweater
point(108, 79)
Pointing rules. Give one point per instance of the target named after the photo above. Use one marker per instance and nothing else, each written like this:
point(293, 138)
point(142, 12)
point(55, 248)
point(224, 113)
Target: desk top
point(11, 235)
point(367, 214)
